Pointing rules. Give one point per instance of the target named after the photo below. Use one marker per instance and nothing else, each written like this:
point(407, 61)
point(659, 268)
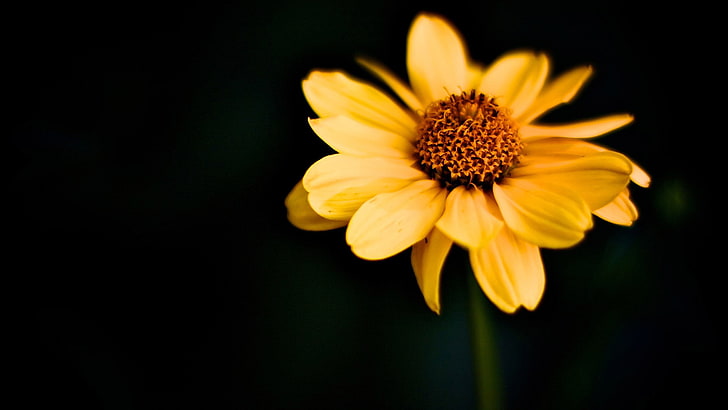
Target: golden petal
point(398, 86)
point(515, 79)
point(391, 222)
point(582, 129)
point(559, 91)
point(339, 184)
point(436, 58)
point(540, 149)
point(639, 176)
point(475, 75)
point(597, 178)
point(510, 272)
point(546, 215)
point(466, 218)
point(620, 211)
point(302, 216)
point(335, 93)
point(428, 257)
point(348, 136)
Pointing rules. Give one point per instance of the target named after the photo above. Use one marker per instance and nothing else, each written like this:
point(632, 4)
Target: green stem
point(485, 360)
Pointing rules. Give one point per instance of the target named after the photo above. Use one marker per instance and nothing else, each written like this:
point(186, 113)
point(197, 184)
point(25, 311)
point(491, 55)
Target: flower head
point(459, 158)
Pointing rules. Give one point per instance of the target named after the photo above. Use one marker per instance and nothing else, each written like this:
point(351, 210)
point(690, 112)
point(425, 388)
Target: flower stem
point(485, 361)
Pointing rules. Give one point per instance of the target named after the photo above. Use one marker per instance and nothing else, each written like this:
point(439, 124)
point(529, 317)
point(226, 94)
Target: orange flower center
point(469, 140)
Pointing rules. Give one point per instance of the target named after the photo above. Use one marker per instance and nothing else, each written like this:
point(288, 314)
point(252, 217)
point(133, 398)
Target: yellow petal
point(302, 216)
point(561, 90)
point(475, 75)
point(560, 147)
point(466, 218)
point(582, 129)
point(353, 137)
point(620, 211)
point(436, 59)
point(428, 257)
point(390, 223)
point(515, 79)
point(335, 93)
point(339, 184)
point(510, 272)
point(563, 147)
point(546, 215)
point(597, 178)
point(639, 176)
point(397, 85)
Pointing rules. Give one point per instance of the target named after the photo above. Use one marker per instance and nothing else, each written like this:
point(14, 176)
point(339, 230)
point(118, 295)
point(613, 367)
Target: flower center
point(469, 140)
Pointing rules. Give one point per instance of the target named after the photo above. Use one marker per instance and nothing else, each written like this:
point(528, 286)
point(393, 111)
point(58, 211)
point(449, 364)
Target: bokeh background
point(150, 264)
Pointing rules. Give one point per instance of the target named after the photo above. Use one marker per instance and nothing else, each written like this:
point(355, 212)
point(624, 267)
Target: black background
point(151, 266)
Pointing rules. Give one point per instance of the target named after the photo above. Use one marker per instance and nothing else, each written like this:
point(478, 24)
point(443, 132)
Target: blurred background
point(151, 266)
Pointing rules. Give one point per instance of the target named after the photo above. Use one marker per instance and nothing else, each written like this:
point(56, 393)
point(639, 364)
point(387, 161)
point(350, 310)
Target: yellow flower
point(458, 158)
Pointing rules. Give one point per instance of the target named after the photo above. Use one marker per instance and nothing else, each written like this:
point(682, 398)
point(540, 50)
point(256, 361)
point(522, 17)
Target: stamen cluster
point(467, 139)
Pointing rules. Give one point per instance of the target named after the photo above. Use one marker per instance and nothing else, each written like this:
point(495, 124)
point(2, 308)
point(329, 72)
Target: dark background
point(151, 266)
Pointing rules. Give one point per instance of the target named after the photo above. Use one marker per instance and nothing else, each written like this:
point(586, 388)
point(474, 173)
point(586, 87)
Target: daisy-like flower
point(459, 159)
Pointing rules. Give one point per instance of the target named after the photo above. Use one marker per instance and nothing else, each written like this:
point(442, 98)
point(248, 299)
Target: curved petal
point(510, 272)
point(475, 75)
point(582, 129)
point(428, 257)
point(436, 59)
point(639, 176)
point(335, 93)
point(540, 149)
point(302, 216)
point(559, 147)
point(352, 137)
point(558, 91)
point(466, 218)
point(620, 211)
point(339, 184)
point(391, 222)
point(515, 79)
point(597, 178)
point(546, 215)
point(398, 86)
